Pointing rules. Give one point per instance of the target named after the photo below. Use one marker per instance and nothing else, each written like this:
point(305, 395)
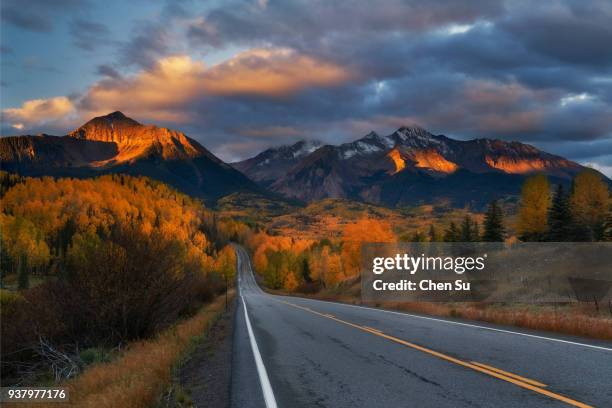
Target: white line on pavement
point(266, 387)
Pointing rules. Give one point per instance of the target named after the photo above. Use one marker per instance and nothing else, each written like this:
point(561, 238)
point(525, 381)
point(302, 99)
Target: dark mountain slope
point(117, 144)
point(413, 166)
point(266, 167)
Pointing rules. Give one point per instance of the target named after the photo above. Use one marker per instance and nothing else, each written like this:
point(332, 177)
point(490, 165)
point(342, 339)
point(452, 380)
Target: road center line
point(479, 368)
point(266, 387)
point(512, 375)
point(467, 325)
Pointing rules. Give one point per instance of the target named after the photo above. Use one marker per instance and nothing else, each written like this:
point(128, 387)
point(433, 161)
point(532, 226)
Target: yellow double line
point(482, 368)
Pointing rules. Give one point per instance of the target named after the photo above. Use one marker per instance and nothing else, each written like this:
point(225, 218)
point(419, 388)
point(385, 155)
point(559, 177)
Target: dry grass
point(141, 375)
point(573, 319)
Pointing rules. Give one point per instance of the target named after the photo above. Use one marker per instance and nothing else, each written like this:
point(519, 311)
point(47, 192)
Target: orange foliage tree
point(364, 230)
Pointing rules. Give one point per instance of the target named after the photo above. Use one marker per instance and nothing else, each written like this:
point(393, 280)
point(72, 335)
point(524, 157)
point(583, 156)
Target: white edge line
point(266, 387)
point(461, 324)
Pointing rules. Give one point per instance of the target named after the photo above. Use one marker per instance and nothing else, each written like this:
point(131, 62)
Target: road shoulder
point(204, 378)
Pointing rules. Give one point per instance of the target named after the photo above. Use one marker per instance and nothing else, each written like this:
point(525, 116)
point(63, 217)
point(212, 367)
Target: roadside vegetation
point(89, 266)
point(140, 375)
point(324, 261)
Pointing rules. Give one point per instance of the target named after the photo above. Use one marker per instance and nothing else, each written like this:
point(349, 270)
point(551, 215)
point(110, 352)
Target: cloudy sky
point(240, 76)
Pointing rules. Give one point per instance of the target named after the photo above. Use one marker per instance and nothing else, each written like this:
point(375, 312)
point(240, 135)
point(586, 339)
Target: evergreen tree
point(306, 270)
point(418, 237)
point(433, 234)
point(476, 232)
point(559, 217)
point(467, 233)
point(452, 233)
point(494, 230)
point(23, 275)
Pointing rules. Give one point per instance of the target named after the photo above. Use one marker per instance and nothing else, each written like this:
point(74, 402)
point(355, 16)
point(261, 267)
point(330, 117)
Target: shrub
point(129, 285)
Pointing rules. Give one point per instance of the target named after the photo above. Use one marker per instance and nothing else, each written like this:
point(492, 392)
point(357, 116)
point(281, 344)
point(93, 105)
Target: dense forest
point(99, 262)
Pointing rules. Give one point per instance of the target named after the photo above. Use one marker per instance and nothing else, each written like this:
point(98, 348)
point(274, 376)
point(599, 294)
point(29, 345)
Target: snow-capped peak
point(417, 137)
point(305, 147)
point(412, 132)
point(288, 152)
point(370, 143)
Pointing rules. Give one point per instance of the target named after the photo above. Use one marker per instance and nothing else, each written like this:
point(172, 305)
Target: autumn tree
point(335, 271)
point(225, 264)
point(21, 238)
point(589, 204)
point(290, 283)
point(532, 222)
point(364, 230)
point(494, 230)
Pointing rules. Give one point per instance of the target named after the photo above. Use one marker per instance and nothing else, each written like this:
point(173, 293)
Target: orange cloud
point(38, 111)
point(272, 72)
point(163, 92)
point(158, 93)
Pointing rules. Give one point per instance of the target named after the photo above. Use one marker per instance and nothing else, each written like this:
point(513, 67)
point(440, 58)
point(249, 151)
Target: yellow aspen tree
point(532, 223)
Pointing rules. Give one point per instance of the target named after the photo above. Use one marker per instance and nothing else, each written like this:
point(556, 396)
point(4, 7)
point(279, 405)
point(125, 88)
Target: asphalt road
point(295, 352)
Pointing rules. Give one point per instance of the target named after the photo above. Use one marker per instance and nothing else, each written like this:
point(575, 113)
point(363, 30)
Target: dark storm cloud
point(582, 151)
point(579, 33)
point(107, 71)
point(148, 43)
point(37, 15)
point(156, 38)
point(302, 23)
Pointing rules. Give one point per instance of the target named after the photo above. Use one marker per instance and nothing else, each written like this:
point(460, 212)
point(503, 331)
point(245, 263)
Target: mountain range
point(270, 165)
point(407, 167)
point(117, 144)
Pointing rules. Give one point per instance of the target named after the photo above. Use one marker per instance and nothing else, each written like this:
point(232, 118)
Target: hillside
point(329, 217)
point(117, 144)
